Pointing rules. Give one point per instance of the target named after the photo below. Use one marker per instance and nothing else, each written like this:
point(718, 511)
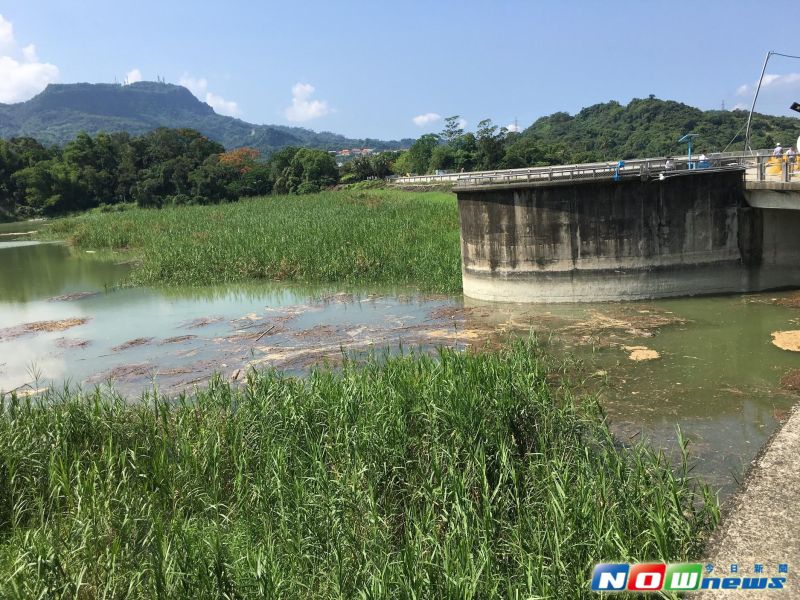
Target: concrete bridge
point(630, 230)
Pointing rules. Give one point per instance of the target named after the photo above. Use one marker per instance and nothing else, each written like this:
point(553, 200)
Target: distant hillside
point(651, 127)
point(62, 111)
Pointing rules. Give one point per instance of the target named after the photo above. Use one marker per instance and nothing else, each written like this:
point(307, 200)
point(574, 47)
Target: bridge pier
point(688, 233)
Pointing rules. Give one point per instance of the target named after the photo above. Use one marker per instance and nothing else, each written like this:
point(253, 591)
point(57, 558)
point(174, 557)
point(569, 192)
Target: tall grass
point(353, 236)
point(456, 476)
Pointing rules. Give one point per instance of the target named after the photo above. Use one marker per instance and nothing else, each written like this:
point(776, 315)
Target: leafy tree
point(308, 171)
point(375, 166)
point(453, 129)
point(418, 157)
point(489, 143)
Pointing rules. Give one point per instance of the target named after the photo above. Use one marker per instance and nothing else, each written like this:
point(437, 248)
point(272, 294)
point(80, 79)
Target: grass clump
point(461, 475)
point(358, 236)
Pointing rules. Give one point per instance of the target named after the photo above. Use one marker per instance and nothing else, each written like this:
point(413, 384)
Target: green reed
point(350, 236)
point(462, 475)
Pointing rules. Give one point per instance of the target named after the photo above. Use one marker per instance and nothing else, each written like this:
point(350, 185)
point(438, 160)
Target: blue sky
point(371, 68)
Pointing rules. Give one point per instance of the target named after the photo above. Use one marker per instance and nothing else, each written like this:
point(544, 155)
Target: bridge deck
point(760, 166)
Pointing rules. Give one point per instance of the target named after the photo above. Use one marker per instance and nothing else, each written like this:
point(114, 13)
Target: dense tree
point(374, 166)
point(165, 166)
point(603, 132)
point(417, 159)
point(308, 171)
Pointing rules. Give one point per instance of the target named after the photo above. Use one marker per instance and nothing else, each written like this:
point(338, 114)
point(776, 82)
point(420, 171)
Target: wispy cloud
point(426, 119)
point(770, 80)
point(303, 108)
point(133, 76)
point(512, 128)
point(6, 33)
point(199, 87)
point(22, 75)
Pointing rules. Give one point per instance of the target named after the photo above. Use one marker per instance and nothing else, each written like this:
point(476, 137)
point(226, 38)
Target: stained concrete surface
point(762, 525)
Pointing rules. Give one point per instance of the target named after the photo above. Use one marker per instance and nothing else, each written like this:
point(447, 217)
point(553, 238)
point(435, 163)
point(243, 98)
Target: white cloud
point(770, 80)
point(6, 33)
point(778, 91)
point(426, 119)
point(199, 87)
point(512, 128)
point(29, 52)
point(133, 76)
point(303, 108)
point(222, 106)
point(21, 74)
point(462, 123)
point(775, 80)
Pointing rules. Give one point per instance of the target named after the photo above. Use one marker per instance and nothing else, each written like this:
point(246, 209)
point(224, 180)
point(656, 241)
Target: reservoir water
point(707, 365)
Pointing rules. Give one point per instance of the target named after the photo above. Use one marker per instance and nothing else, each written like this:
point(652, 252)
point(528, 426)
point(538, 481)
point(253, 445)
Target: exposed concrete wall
point(605, 240)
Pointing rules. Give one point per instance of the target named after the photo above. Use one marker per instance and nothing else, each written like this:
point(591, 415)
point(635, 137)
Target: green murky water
point(717, 376)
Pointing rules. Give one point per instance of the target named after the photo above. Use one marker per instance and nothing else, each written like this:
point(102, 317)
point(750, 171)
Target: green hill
point(61, 111)
point(651, 127)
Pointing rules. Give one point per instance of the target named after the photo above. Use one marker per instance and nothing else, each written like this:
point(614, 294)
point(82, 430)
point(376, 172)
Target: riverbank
point(356, 236)
point(470, 474)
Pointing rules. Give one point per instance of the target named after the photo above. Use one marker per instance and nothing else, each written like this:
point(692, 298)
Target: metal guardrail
point(760, 165)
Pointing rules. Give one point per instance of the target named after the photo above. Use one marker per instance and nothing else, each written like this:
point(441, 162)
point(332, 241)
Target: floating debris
point(132, 343)
point(72, 296)
point(71, 344)
point(791, 381)
point(41, 327)
point(787, 340)
point(200, 322)
point(640, 353)
point(790, 300)
point(178, 339)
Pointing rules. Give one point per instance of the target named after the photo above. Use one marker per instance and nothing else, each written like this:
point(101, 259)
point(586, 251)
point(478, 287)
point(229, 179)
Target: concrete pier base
point(590, 241)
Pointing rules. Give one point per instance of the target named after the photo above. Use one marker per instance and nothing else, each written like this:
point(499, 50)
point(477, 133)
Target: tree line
point(165, 166)
point(645, 127)
point(182, 166)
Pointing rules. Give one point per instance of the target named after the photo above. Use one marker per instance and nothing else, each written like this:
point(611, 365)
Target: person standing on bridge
point(789, 156)
point(778, 151)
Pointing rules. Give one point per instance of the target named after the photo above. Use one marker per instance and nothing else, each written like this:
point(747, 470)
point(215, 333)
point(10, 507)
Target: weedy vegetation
point(461, 475)
point(356, 236)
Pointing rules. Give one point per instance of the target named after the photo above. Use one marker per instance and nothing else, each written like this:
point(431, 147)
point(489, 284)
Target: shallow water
point(717, 376)
point(63, 317)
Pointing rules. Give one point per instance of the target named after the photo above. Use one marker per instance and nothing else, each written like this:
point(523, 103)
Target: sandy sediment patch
point(791, 381)
point(200, 322)
point(71, 344)
point(641, 323)
point(790, 300)
point(451, 312)
point(640, 353)
point(41, 327)
point(72, 296)
point(317, 332)
point(787, 340)
point(178, 339)
point(132, 343)
point(455, 334)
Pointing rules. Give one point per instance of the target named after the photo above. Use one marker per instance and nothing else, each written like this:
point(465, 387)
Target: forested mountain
point(611, 131)
point(61, 111)
point(651, 127)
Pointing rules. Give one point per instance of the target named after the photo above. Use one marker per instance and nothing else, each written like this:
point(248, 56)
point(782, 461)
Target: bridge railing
point(759, 165)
